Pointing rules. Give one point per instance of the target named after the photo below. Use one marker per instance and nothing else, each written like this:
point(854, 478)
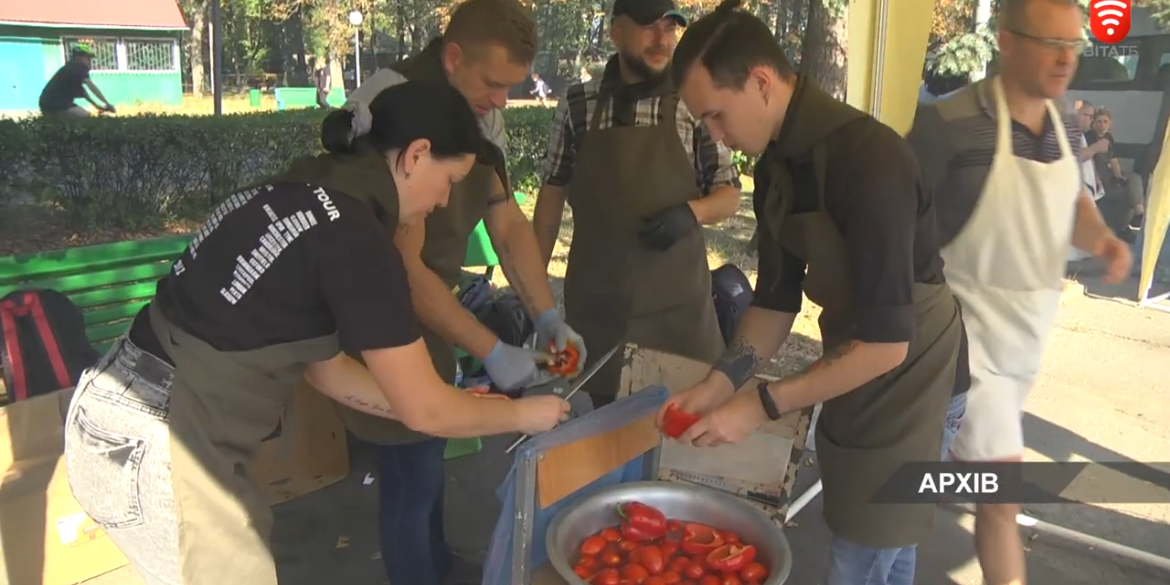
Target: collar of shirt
point(987, 103)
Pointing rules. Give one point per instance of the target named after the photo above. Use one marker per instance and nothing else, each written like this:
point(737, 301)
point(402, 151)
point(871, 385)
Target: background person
point(487, 47)
point(69, 83)
point(845, 219)
point(641, 175)
point(284, 277)
point(1004, 164)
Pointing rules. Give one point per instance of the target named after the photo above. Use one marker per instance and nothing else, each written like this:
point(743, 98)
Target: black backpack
point(733, 295)
point(43, 346)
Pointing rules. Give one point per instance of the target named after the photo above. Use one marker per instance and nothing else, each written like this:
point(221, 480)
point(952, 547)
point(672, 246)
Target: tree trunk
point(336, 68)
point(195, 44)
point(822, 57)
point(299, 75)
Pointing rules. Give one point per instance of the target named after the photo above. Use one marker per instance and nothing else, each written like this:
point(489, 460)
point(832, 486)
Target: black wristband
point(769, 403)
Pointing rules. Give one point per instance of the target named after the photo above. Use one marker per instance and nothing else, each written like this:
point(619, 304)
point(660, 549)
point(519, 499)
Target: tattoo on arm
point(361, 403)
point(738, 363)
point(827, 359)
point(514, 278)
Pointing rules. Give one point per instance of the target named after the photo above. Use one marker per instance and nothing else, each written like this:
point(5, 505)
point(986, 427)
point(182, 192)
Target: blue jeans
point(410, 512)
point(854, 564)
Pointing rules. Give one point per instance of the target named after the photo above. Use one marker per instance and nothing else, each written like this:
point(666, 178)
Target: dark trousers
point(410, 512)
point(323, 99)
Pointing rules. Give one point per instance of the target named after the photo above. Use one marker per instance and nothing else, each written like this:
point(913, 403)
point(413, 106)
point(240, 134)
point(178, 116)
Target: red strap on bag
point(15, 366)
point(31, 304)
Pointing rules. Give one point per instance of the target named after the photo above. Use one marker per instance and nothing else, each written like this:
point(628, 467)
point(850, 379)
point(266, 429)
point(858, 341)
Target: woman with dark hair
point(284, 282)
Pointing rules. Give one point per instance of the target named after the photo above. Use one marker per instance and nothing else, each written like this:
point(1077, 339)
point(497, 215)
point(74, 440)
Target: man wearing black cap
point(69, 83)
point(641, 176)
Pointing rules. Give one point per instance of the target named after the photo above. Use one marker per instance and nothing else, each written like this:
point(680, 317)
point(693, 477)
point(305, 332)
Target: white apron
point(1007, 268)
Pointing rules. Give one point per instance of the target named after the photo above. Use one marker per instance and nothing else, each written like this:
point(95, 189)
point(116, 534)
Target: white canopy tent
point(887, 48)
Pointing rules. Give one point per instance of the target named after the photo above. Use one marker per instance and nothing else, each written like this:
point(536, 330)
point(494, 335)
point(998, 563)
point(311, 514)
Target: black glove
point(663, 228)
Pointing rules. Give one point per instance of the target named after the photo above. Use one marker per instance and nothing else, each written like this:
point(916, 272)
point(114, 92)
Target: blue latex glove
point(511, 367)
point(552, 329)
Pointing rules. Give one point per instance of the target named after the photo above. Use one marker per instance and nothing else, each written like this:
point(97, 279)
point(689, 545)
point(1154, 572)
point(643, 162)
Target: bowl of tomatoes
point(663, 533)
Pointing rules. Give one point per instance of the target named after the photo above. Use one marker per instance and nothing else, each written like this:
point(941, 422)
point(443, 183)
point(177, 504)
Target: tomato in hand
point(610, 535)
point(592, 545)
point(676, 421)
point(753, 571)
point(635, 573)
point(651, 558)
point(607, 577)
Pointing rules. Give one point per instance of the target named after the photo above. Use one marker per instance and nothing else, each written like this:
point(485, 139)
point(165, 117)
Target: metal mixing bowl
point(678, 501)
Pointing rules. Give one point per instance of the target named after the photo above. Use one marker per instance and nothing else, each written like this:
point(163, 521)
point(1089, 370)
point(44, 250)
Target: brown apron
point(863, 436)
point(448, 229)
point(223, 405)
point(616, 290)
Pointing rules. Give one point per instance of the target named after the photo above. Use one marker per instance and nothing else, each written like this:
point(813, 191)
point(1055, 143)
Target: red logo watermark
point(1110, 19)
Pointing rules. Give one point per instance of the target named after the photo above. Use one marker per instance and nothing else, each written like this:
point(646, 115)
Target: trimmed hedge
point(143, 171)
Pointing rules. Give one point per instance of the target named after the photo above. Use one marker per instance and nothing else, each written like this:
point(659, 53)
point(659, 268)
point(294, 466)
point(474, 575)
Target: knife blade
point(573, 388)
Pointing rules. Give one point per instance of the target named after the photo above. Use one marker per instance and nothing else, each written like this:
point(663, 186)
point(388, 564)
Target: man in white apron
point(1010, 200)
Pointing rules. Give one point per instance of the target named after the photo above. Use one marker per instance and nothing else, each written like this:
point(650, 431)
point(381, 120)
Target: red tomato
point(651, 558)
point(671, 577)
point(607, 577)
point(627, 546)
point(669, 549)
point(610, 534)
point(752, 582)
point(592, 545)
point(611, 558)
point(729, 537)
point(695, 569)
point(635, 573)
point(656, 580)
point(678, 564)
point(710, 580)
point(730, 579)
point(688, 582)
point(673, 525)
point(753, 571)
point(582, 571)
point(589, 562)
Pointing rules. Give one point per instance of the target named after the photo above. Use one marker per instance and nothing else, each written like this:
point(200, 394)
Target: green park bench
point(111, 282)
point(108, 282)
point(306, 97)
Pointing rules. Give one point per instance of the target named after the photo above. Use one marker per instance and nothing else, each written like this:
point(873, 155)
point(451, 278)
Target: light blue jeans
point(854, 564)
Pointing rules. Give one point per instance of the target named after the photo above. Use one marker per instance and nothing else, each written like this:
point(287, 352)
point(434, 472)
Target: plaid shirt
point(712, 160)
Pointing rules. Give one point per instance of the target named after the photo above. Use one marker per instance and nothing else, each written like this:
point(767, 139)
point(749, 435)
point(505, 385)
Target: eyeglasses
point(1077, 46)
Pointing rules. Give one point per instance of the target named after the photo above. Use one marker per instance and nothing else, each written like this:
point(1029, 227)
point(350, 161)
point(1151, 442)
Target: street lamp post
point(355, 18)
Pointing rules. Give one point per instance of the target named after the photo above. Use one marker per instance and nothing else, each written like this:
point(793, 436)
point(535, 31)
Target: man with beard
point(487, 47)
point(844, 219)
point(1010, 200)
point(641, 176)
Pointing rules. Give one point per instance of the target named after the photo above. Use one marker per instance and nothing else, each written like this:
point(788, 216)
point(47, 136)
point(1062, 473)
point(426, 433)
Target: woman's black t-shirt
point(283, 263)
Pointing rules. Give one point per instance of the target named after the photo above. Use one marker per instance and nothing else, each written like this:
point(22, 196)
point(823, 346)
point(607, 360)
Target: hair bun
point(337, 132)
point(728, 6)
